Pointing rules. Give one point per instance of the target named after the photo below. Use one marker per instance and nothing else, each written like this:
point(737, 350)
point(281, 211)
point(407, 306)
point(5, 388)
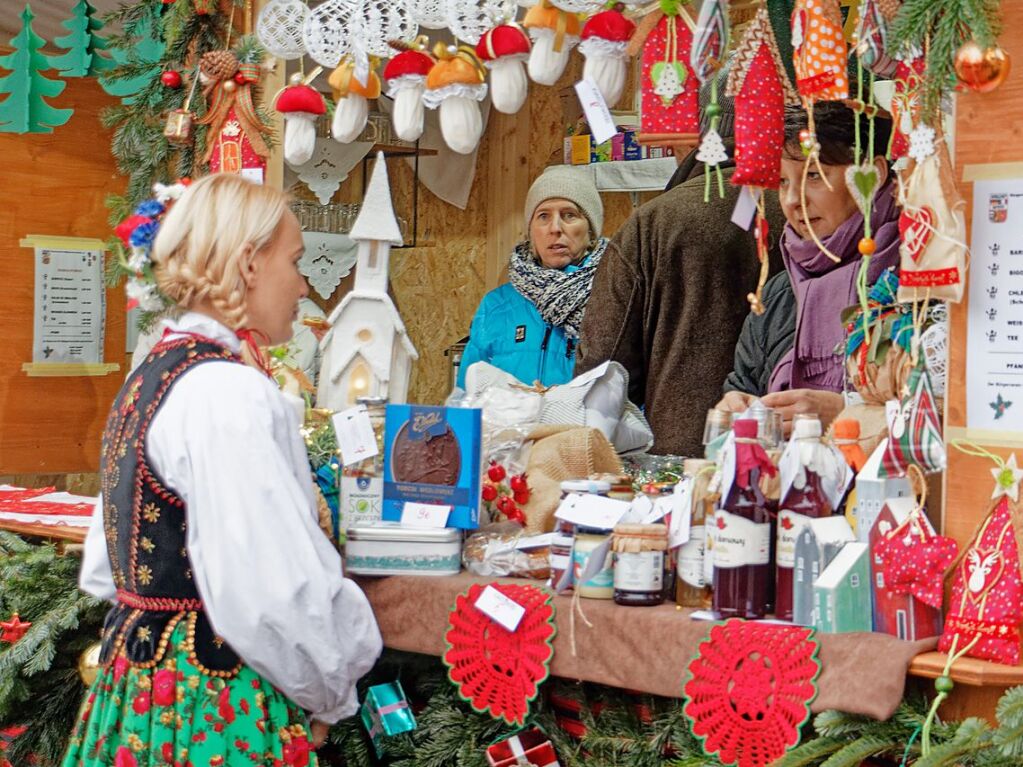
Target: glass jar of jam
point(639, 564)
point(600, 585)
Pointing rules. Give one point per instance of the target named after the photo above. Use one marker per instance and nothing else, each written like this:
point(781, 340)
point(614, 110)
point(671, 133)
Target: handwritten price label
point(425, 515)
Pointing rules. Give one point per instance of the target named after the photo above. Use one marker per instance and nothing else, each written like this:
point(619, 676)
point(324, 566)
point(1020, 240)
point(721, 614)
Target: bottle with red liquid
point(742, 530)
point(816, 467)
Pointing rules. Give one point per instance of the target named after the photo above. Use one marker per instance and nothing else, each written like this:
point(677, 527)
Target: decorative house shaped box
point(842, 592)
point(432, 456)
point(367, 351)
point(818, 542)
point(901, 615)
point(873, 490)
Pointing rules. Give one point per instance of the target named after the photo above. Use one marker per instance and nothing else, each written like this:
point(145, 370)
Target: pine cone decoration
point(218, 65)
point(889, 8)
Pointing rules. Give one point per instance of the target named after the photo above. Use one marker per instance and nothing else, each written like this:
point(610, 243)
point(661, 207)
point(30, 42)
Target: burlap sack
point(873, 427)
point(560, 453)
point(879, 383)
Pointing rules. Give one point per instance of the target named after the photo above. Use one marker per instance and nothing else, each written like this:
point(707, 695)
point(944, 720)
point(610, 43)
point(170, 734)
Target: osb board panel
point(54, 184)
point(989, 128)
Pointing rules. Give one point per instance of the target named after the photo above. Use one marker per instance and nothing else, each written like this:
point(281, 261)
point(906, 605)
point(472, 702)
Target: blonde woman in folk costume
point(231, 617)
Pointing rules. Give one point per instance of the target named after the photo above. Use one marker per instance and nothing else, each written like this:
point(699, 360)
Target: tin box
point(393, 549)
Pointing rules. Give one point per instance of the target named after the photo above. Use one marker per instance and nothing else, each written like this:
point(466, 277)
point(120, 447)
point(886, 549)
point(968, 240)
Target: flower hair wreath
point(136, 234)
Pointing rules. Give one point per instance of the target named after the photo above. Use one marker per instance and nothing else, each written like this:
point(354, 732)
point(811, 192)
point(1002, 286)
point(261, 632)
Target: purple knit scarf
point(823, 289)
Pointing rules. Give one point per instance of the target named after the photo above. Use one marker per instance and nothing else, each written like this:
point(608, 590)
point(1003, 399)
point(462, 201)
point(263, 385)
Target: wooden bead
point(866, 246)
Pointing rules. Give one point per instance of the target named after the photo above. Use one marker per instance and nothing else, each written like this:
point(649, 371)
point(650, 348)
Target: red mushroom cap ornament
point(604, 38)
point(503, 50)
point(301, 105)
point(405, 75)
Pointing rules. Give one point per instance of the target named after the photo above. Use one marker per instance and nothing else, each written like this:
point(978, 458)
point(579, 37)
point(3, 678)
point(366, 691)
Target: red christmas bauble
point(240, 79)
point(982, 69)
point(171, 78)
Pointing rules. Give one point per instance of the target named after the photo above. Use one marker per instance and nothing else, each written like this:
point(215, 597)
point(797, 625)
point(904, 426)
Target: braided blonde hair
point(197, 252)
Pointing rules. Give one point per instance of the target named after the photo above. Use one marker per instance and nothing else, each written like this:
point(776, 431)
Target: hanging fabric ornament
point(604, 38)
point(405, 75)
point(761, 89)
point(906, 103)
point(933, 231)
point(818, 50)
point(872, 36)
point(497, 671)
point(468, 20)
point(351, 99)
point(504, 51)
point(428, 14)
point(710, 41)
point(669, 94)
point(986, 608)
point(326, 32)
point(456, 85)
point(914, 429)
point(379, 22)
point(279, 28)
point(235, 139)
point(301, 105)
point(749, 690)
point(555, 33)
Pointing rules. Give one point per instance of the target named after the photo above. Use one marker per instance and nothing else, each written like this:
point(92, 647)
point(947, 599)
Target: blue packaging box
point(432, 455)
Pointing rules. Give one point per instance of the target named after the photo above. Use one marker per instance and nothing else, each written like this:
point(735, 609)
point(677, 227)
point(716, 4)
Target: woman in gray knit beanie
point(530, 326)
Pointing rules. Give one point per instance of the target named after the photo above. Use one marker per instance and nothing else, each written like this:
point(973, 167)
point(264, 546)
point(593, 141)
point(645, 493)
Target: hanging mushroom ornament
point(503, 50)
point(455, 86)
point(405, 75)
point(555, 32)
point(352, 99)
point(301, 105)
point(605, 36)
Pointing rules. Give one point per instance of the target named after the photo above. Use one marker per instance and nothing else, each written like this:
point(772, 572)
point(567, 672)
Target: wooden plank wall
point(54, 184)
point(989, 129)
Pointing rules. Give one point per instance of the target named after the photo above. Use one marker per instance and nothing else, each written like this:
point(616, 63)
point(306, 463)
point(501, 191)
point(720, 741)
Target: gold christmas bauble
point(982, 69)
point(229, 86)
point(88, 664)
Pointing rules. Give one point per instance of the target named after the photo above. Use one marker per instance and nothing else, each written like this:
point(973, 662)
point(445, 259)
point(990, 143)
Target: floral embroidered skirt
point(176, 715)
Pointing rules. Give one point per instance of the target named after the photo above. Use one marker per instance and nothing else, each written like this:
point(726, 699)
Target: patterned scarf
point(560, 296)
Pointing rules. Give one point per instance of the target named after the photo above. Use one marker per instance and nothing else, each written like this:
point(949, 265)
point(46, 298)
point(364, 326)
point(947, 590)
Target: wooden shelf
point(396, 150)
point(969, 671)
point(64, 533)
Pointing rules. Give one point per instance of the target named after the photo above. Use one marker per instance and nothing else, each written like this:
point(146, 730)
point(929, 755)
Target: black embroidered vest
point(146, 525)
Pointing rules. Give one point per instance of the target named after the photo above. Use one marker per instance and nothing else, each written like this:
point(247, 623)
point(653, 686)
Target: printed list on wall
point(994, 352)
point(69, 306)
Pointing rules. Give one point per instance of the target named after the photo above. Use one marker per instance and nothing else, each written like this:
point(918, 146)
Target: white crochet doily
point(377, 22)
point(577, 6)
point(934, 345)
point(279, 28)
point(428, 14)
point(326, 32)
point(435, 98)
point(328, 259)
point(468, 20)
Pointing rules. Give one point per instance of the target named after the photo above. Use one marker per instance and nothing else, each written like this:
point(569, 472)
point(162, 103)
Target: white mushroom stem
point(461, 123)
point(299, 137)
point(408, 106)
point(508, 84)
point(605, 66)
point(545, 64)
point(350, 116)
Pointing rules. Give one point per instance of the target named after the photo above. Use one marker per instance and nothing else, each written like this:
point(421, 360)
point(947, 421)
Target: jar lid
point(653, 530)
point(371, 401)
point(597, 487)
point(806, 428)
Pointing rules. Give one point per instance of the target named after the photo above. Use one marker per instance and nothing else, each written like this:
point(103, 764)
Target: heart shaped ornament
point(863, 181)
point(669, 79)
point(916, 229)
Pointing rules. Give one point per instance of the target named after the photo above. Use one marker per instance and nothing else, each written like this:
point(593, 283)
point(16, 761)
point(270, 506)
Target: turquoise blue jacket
point(509, 333)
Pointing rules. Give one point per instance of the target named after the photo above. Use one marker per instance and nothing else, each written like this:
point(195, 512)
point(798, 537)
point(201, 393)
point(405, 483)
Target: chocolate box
point(432, 456)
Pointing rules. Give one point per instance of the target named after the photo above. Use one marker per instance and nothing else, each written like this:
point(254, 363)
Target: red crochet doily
point(497, 671)
point(749, 690)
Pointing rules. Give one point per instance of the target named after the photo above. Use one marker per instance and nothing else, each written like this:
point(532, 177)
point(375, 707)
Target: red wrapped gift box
point(529, 747)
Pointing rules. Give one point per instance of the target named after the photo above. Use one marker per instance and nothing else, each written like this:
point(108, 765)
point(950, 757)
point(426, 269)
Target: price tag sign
point(355, 435)
point(425, 515)
point(598, 116)
point(746, 207)
point(500, 608)
point(592, 511)
point(681, 513)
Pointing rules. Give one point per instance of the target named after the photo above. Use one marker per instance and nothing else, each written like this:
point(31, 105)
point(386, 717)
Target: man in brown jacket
point(669, 299)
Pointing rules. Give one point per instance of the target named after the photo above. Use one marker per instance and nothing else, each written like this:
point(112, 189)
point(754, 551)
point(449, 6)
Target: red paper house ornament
point(233, 152)
point(761, 90)
point(670, 108)
point(987, 591)
point(818, 50)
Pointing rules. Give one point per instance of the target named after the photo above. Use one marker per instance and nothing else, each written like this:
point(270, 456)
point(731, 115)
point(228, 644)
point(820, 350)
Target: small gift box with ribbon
point(386, 712)
point(529, 747)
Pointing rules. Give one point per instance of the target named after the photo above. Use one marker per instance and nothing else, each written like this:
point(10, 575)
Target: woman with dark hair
point(792, 352)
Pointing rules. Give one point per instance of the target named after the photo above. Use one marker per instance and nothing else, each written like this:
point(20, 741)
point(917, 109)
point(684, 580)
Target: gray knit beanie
point(567, 183)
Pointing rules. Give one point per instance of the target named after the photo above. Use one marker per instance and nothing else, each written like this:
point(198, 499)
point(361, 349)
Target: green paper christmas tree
point(83, 44)
point(137, 66)
point(25, 109)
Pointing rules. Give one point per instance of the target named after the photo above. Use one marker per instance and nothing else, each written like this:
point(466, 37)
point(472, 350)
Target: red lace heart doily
point(497, 671)
point(749, 690)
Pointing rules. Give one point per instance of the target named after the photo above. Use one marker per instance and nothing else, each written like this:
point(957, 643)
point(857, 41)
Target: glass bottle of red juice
point(805, 499)
point(742, 529)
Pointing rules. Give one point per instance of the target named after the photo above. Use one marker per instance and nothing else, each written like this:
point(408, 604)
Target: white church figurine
point(367, 352)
